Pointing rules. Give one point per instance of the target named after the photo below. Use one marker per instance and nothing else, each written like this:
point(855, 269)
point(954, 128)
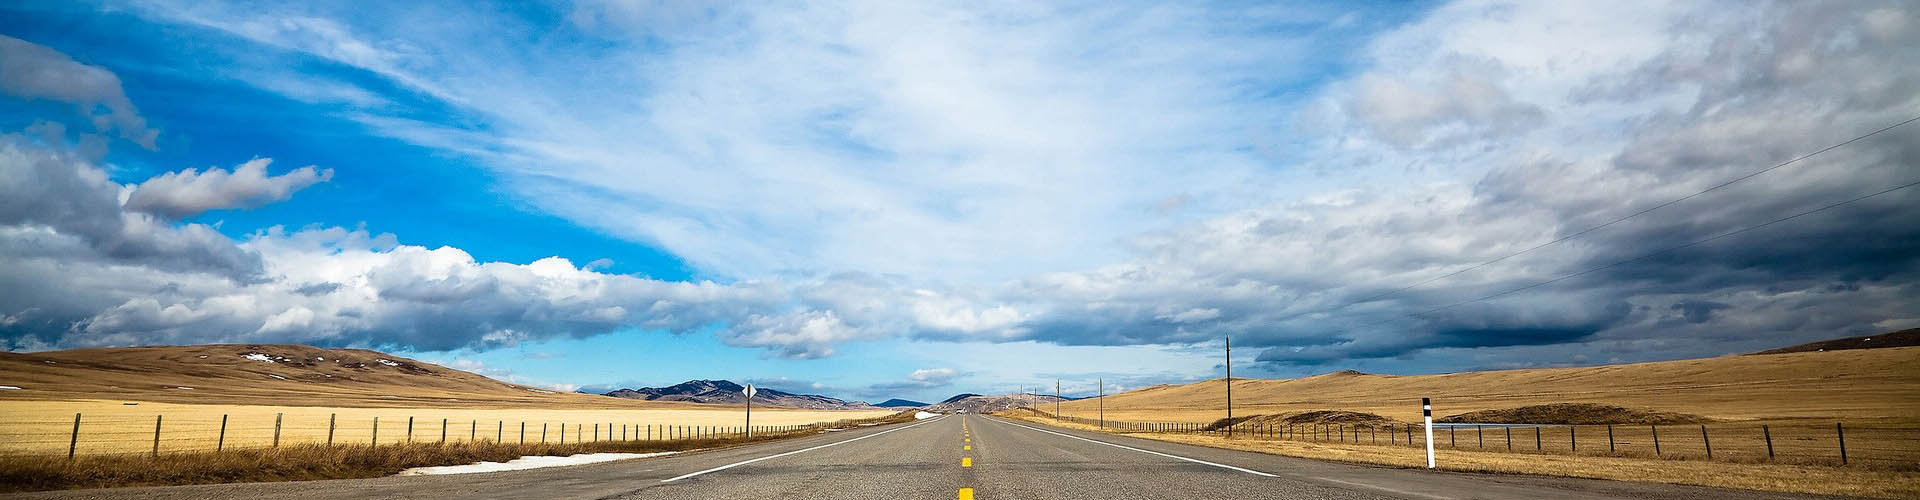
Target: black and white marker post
point(1426, 415)
point(749, 392)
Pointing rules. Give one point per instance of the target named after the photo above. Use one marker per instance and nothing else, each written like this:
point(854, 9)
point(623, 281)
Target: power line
point(1663, 251)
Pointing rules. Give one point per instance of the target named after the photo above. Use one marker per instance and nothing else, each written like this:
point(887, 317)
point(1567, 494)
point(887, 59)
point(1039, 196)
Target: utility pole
point(1103, 403)
point(1229, 387)
point(1056, 399)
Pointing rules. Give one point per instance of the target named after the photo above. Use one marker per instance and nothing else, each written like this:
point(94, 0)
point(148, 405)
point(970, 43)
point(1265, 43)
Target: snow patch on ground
point(8, 388)
point(388, 363)
point(924, 415)
point(184, 388)
point(540, 391)
point(276, 376)
point(258, 357)
point(524, 463)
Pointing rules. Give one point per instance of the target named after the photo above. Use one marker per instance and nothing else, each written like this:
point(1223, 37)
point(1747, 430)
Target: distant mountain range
point(899, 403)
point(727, 392)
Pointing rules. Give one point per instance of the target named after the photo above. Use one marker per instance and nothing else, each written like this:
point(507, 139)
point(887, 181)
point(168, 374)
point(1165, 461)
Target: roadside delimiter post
point(1426, 416)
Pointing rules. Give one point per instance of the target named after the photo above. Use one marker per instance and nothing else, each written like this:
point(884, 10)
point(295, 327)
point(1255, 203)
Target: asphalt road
point(951, 457)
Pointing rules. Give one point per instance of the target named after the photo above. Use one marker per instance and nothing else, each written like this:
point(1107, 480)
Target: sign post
point(1426, 414)
point(749, 392)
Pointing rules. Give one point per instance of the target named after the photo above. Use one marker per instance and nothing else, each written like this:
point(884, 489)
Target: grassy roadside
point(312, 462)
point(1852, 481)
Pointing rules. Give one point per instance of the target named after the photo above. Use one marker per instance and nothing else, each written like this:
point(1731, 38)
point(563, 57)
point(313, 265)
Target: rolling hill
point(899, 403)
point(727, 392)
point(267, 374)
point(1856, 384)
point(1903, 338)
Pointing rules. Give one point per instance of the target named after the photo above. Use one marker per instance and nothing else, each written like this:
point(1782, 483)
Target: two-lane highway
point(958, 456)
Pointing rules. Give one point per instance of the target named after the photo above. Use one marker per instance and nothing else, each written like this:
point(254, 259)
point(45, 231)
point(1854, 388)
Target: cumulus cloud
point(186, 193)
point(32, 71)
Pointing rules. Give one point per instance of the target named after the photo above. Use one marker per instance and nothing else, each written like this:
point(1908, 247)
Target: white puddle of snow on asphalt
point(924, 415)
point(8, 388)
point(524, 463)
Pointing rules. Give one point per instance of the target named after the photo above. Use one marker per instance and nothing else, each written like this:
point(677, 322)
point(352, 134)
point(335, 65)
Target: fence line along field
point(1870, 387)
point(191, 388)
point(47, 427)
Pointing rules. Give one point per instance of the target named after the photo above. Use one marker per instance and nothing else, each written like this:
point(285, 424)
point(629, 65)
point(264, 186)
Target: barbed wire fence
point(1797, 442)
point(200, 433)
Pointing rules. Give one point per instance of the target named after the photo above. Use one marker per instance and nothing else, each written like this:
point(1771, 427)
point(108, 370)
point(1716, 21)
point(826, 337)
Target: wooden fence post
point(409, 428)
point(222, 443)
point(473, 430)
point(73, 443)
point(443, 431)
point(499, 431)
point(276, 428)
point(1481, 433)
point(1837, 429)
point(543, 433)
point(330, 421)
point(1509, 438)
point(1536, 438)
point(1768, 435)
point(1708, 442)
point(1656, 439)
point(156, 435)
point(1610, 438)
point(1573, 438)
point(376, 431)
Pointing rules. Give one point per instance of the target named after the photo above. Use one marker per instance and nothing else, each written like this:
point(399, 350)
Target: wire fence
point(1800, 442)
point(160, 433)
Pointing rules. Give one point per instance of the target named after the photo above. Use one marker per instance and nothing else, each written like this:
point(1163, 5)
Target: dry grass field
point(191, 388)
point(1874, 482)
point(44, 427)
point(314, 461)
point(1867, 386)
point(1794, 398)
point(271, 374)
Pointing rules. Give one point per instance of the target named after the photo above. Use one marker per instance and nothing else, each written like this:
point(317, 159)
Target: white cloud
point(187, 193)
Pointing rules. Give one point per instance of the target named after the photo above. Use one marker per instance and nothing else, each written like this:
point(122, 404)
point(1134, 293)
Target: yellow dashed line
point(967, 448)
point(966, 461)
point(966, 493)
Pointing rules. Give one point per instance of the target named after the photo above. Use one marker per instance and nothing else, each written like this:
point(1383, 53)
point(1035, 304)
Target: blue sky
point(896, 199)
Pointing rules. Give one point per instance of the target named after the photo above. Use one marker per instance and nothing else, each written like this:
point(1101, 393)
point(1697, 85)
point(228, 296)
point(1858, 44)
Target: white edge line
point(1383, 488)
point(1197, 461)
point(770, 457)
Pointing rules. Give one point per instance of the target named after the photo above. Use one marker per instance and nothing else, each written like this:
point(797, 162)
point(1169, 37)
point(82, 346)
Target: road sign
point(749, 391)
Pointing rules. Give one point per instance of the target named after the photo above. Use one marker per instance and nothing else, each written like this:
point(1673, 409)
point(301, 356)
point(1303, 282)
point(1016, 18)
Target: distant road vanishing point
point(954, 456)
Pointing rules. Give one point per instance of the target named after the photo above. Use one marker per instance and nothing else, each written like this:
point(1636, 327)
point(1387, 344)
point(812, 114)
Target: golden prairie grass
point(1876, 481)
point(1878, 386)
point(110, 427)
point(316, 461)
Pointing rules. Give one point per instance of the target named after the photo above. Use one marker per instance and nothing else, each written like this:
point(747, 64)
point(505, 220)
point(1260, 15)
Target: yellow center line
point(967, 448)
point(966, 493)
point(966, 461)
